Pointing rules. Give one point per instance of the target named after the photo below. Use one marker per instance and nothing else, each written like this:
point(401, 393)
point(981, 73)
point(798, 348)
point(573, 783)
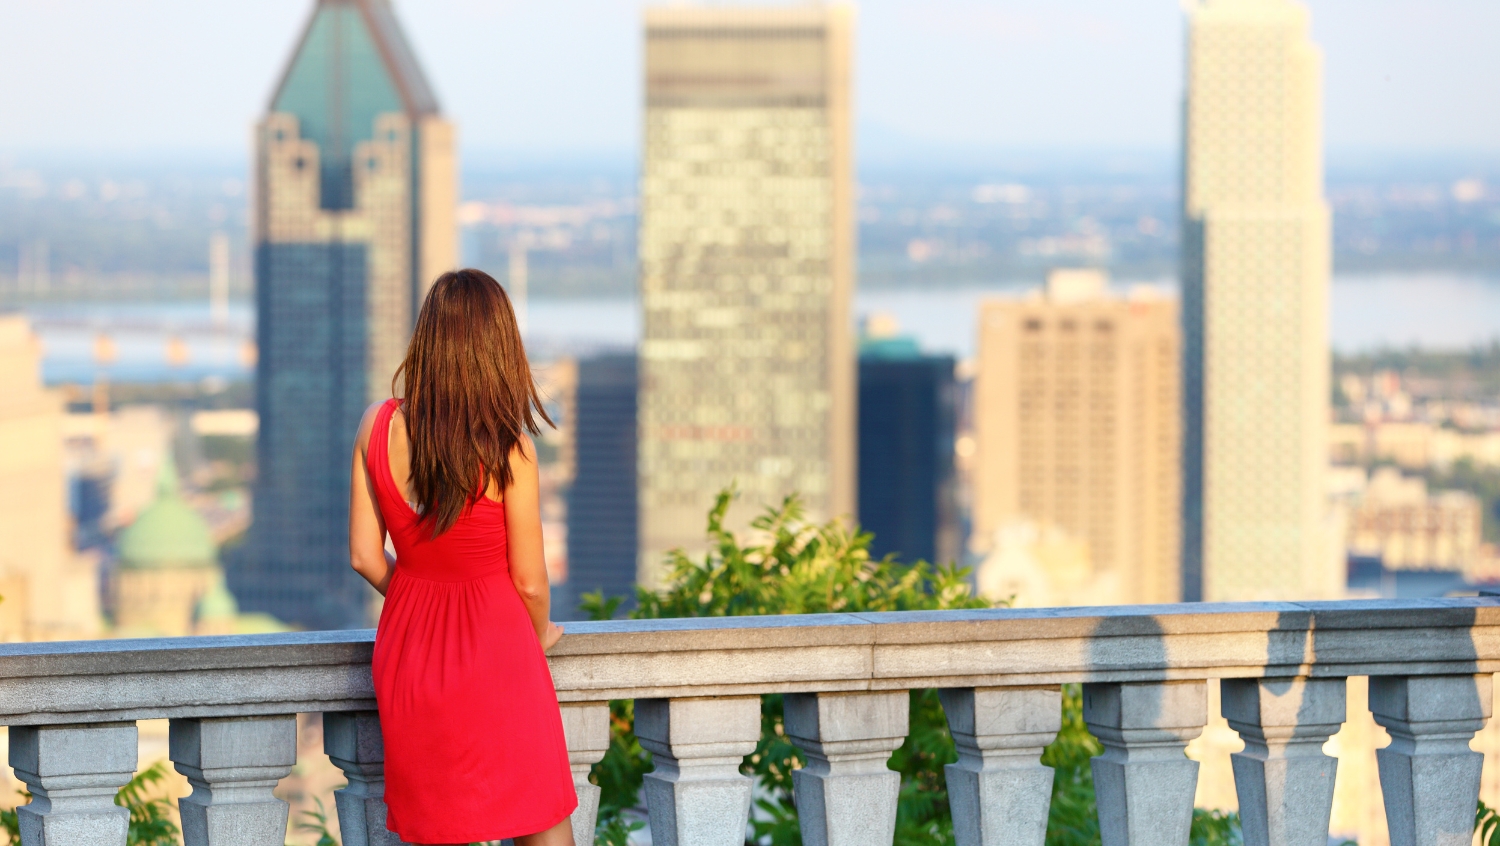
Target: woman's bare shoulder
point(523, 450)
point(367, 423)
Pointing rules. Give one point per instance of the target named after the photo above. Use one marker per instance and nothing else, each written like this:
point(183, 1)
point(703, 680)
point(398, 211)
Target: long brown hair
point(470, 397)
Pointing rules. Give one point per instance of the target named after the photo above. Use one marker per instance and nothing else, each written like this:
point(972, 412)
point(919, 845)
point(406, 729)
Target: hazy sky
point(563, 75)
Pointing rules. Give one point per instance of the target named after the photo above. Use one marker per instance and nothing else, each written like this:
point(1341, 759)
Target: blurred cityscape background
point(1123, 302)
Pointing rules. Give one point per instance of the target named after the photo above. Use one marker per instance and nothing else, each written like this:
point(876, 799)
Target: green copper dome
point(217, 604)
point(168, 533)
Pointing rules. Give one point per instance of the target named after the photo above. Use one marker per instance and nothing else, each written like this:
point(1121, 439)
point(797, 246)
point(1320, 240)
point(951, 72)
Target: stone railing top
point(329, 671)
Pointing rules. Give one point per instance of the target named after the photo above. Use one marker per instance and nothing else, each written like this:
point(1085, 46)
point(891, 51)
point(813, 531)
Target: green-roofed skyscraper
point(356, 189)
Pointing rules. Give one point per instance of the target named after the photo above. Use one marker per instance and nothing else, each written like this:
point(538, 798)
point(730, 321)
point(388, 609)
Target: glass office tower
point(602, 513)
point(747, 253)
point(355, 195)
point(907, 423)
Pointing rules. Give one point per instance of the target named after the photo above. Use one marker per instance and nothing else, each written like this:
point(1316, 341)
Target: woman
point(474, 745)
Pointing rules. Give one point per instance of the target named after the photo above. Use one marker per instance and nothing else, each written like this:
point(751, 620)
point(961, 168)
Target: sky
point(562, 77)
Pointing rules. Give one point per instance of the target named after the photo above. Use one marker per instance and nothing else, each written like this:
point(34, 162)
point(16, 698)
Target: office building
point(602, 512)
point(1078, 445)
point(47, 590)
point(1255, 270)
point(355, 195)
point(746, 261)
point(907, 403)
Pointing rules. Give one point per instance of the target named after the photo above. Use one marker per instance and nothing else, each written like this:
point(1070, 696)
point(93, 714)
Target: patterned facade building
point(356, 189)
point(746, 250)
point(1255, 268)
point(1078, 437)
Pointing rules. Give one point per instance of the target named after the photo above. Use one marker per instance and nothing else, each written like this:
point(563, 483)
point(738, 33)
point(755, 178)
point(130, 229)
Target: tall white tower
point(1255, 270)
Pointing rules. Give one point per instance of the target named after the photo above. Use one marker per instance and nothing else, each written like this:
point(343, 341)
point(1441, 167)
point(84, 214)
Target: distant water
point(1367, 312)
point(141, 334)
point(1426, 309)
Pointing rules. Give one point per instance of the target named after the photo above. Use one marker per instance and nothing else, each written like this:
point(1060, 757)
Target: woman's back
point(473, 547)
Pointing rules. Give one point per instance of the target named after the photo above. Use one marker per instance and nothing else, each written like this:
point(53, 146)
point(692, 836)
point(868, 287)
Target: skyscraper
point(907, 407)
point(356, 187)
point(1255, 269)
point(602, 513)
point(747, 252)
point(50, 592)
point(1076, 420)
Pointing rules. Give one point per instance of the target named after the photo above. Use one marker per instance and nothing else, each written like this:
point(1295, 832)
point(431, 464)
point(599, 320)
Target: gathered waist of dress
point(446, 571)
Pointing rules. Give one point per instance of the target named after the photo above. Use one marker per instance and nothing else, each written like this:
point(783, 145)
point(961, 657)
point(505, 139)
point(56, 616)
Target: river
point(1368, 311)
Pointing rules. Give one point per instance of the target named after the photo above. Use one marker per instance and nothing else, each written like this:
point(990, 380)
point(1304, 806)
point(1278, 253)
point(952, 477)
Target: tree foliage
point(150, 811)
point(316, 822)
point(788, 565)
point(1487, 825)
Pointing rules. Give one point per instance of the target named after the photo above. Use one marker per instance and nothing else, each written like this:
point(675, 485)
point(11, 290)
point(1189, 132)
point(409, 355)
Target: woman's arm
point(366, 527)
point(523, 530)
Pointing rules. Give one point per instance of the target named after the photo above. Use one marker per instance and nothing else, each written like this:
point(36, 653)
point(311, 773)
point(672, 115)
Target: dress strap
point(377, 451)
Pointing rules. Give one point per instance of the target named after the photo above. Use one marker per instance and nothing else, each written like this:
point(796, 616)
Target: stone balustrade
point(232, 701)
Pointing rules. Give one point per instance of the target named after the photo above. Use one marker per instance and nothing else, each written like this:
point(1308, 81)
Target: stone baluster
point(233, 765)
point(352, 741)
point(586, 727)
point(1284, 781)
point(1144, 783)
point(1428, 774)
point(846, 795)
point(999, 790)
point(696, 796)
point(73, 773)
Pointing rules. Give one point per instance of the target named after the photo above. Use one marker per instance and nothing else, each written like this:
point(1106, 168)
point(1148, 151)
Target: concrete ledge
point(88, 681)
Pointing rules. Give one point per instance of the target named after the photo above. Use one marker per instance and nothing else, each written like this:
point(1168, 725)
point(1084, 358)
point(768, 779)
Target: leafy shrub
point(316, 822)
point(1487, 825)
point(1215, 828)
point(791, 566)
point(150, 815)
point(1073, 819)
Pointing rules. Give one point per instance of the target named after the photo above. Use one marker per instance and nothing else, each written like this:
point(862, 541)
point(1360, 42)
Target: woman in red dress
point(474, 745)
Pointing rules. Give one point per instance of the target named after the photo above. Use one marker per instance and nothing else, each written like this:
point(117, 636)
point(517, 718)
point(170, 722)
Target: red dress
point(474, 745)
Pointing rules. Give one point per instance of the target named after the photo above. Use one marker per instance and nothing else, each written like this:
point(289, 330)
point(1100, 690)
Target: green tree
point(150, 811)
point(316, 822)
point(788, 565)
point(1073, 819)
